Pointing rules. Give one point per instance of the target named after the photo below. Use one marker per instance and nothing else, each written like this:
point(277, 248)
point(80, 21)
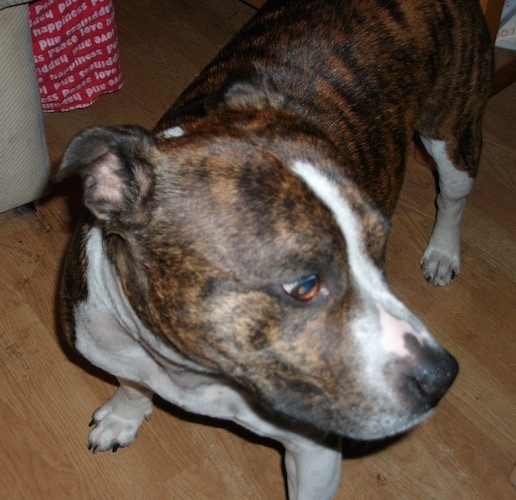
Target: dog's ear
point(114, 164)
point(248, 86)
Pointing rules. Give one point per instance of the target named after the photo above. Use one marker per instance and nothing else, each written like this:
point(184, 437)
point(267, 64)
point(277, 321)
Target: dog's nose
point(432, 373)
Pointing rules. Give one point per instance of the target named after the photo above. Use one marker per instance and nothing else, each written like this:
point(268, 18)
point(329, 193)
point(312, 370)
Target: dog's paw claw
point(113, 432)
point(439, 268)
point(116, 423)
point(113, 446)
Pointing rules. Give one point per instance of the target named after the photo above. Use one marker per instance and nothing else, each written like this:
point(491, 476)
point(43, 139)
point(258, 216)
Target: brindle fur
point(352, 97)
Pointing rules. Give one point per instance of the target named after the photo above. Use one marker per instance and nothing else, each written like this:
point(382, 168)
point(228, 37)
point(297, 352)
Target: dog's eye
point(305, 289)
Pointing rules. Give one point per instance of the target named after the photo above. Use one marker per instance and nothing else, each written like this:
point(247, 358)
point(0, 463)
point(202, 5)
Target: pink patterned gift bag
point(75, 47)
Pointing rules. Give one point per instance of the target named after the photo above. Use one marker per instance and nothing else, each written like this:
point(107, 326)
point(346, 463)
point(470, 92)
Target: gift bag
point(76, 53)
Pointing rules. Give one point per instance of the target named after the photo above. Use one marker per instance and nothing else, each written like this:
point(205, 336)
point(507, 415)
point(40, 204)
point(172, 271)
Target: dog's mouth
point(405, 393)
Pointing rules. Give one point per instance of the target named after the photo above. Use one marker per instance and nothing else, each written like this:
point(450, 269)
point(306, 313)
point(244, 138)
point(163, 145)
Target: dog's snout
point(432, 373)
point(430, 383)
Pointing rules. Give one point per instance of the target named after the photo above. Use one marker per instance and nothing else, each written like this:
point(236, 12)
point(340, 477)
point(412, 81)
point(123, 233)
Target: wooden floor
point(466, 451)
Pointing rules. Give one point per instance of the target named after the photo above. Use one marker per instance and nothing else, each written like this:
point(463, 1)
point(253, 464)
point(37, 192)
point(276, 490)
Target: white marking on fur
point(364, 271)
point(368, 278)
point(381, 322)
point(172, 132)
point(106, 319)
point(453, 183)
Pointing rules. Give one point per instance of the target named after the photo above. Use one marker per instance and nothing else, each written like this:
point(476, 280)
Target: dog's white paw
point(440, 267)
point(117, 421)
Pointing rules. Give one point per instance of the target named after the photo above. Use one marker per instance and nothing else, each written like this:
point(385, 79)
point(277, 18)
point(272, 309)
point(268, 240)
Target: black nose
point(433, 372)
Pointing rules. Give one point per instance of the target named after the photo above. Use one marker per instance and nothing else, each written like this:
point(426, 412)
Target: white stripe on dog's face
point(383, 322)
point(367, 276)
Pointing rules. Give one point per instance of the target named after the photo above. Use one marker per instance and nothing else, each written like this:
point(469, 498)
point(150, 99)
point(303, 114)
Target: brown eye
point(304, 289)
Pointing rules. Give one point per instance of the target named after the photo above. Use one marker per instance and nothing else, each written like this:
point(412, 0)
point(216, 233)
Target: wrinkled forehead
point(250, 209)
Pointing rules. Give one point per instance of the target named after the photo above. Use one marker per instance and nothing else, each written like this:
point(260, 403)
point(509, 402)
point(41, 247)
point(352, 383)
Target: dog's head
point(241, 243)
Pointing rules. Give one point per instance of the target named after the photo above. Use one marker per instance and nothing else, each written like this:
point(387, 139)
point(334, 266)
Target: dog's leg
point(117, 421)
point(313, 469)
point(312, 461)
point(441, 260)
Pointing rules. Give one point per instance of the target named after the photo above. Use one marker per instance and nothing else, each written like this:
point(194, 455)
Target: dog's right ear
point(114, 164)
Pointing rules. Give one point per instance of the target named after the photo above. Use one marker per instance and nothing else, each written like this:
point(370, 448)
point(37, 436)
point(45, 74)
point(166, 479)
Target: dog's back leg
point(441, 260)
point(450, 126)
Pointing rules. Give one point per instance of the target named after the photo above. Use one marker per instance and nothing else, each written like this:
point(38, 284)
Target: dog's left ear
point(249, 86)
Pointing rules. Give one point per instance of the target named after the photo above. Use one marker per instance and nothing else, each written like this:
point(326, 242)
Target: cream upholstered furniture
point(24, 164)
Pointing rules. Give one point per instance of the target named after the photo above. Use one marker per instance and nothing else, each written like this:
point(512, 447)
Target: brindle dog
point(232, 260)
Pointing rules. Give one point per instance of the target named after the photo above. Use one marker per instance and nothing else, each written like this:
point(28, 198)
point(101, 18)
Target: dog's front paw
point(440, 267)
point(117, 421)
